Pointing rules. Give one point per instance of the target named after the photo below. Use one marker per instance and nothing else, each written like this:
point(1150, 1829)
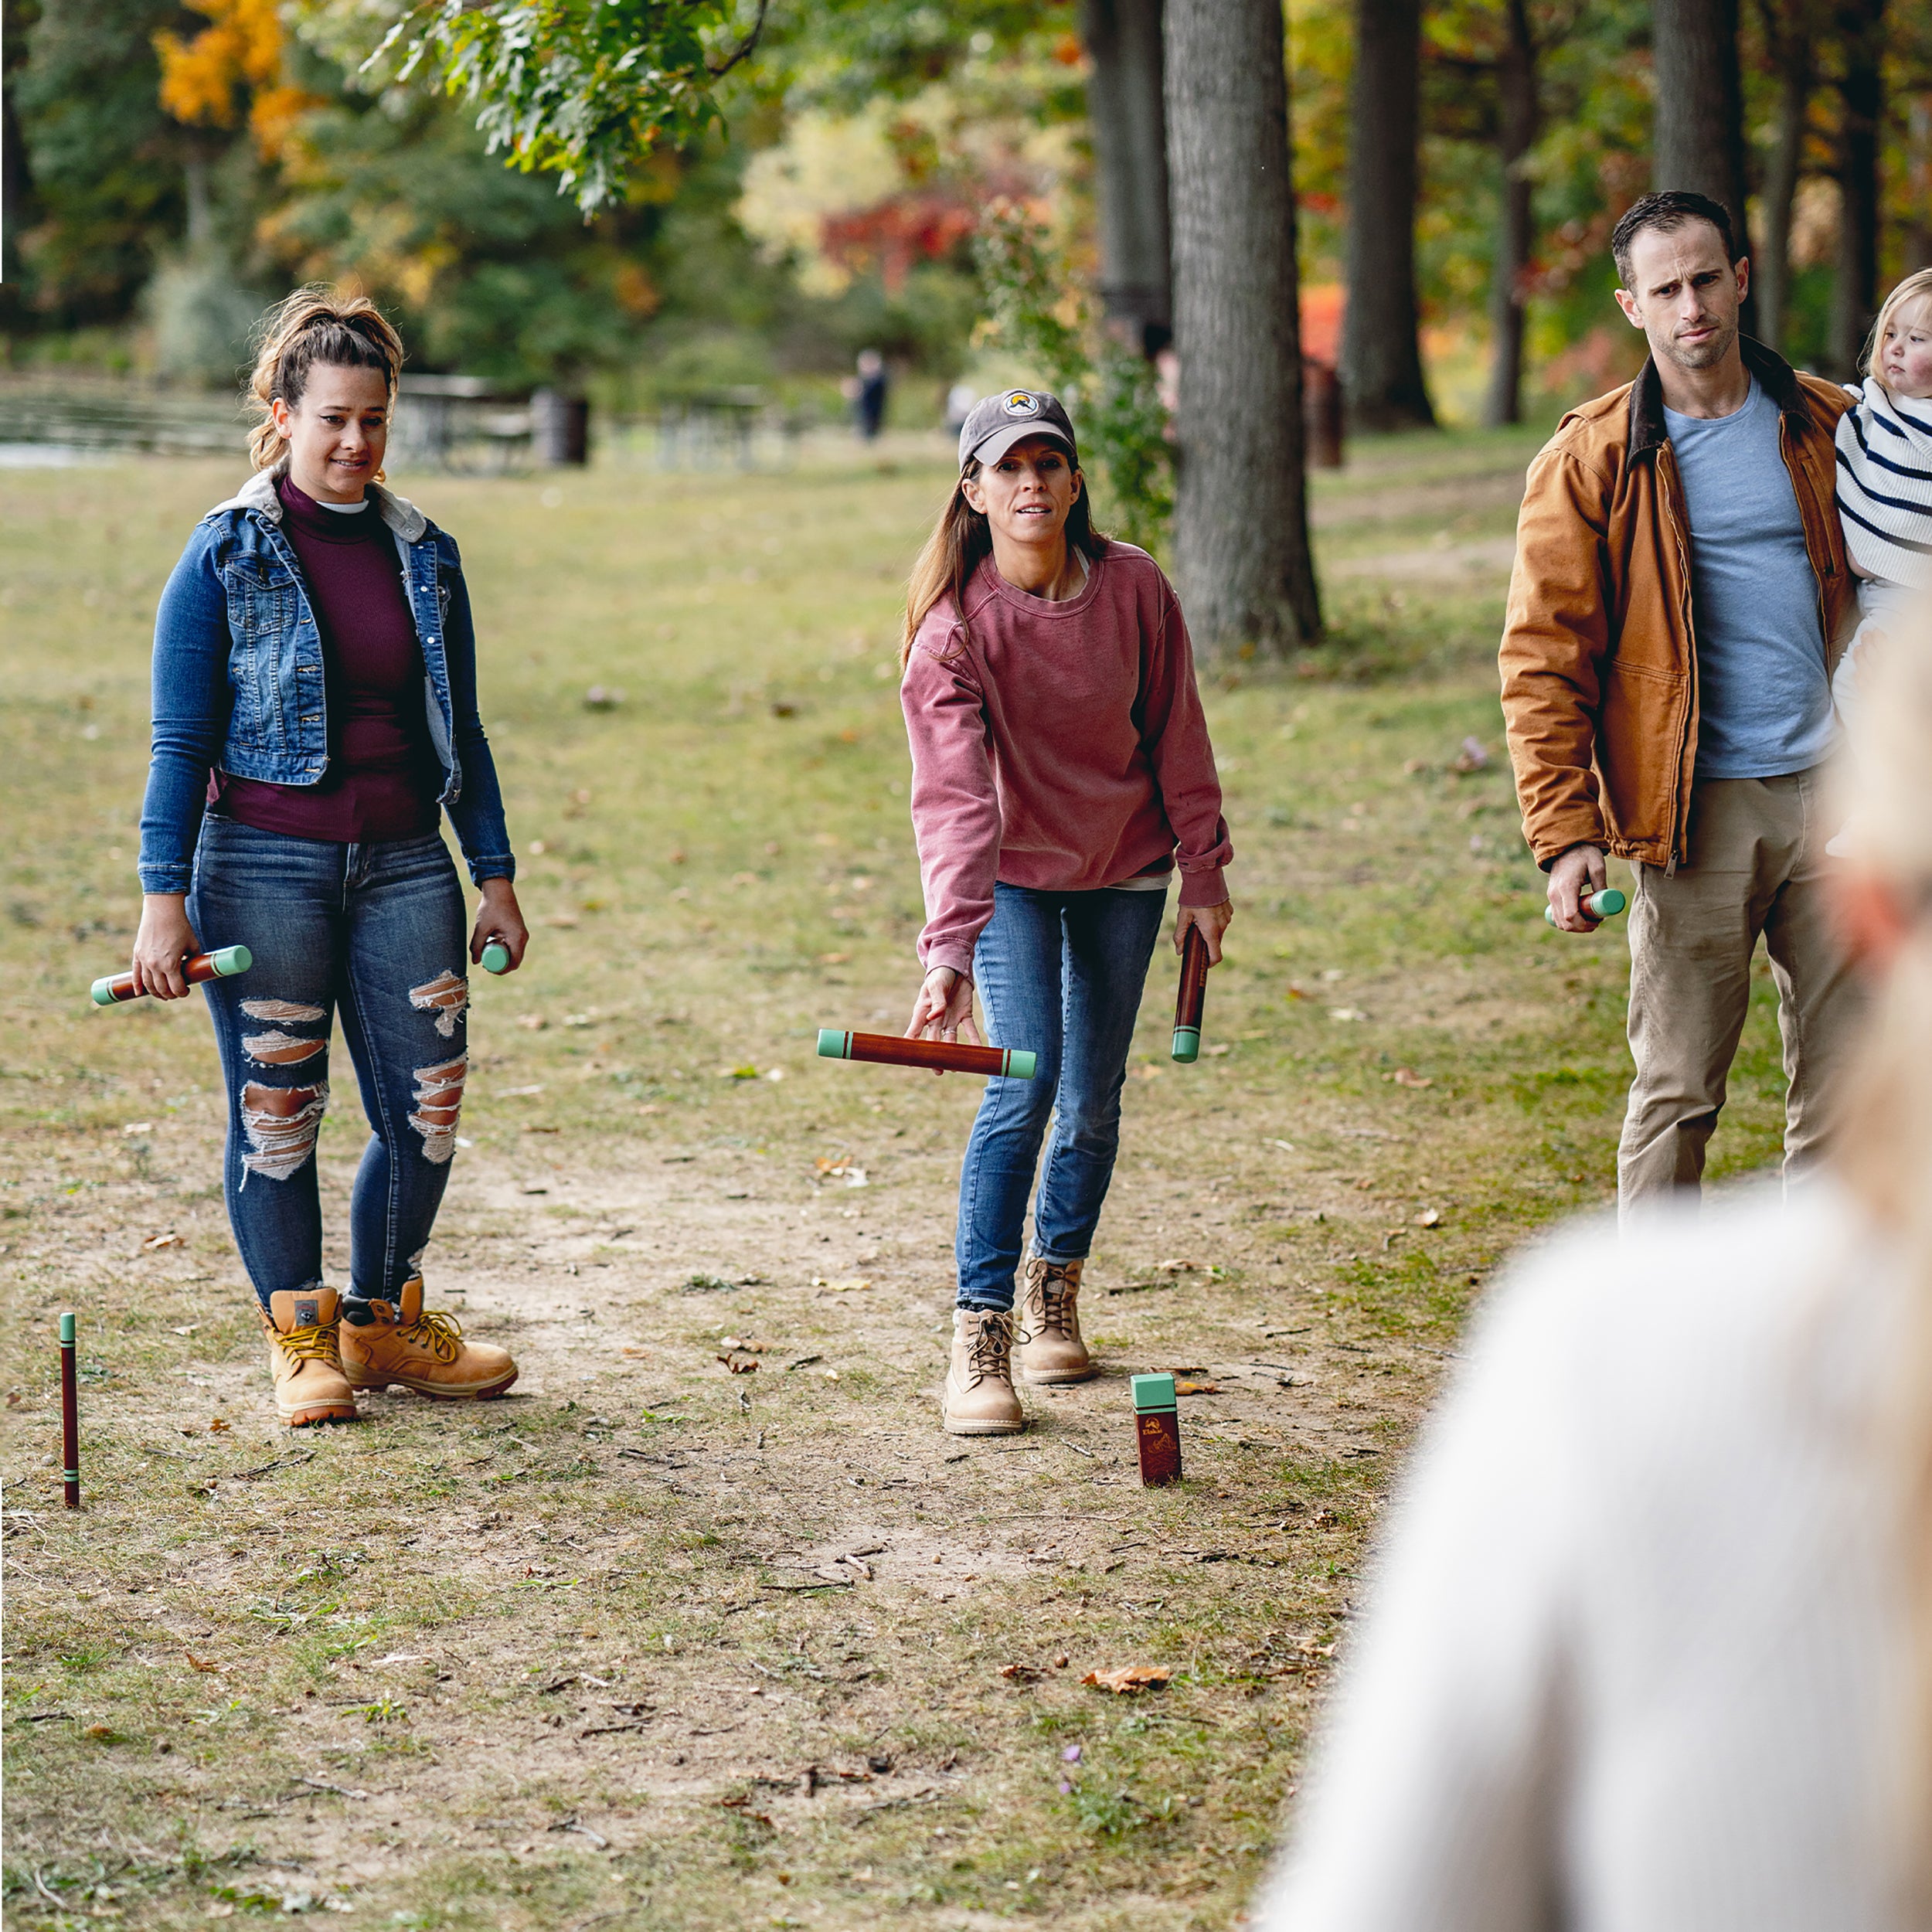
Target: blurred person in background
point(867, 392)
point(1649, 1648)
point(960, 399)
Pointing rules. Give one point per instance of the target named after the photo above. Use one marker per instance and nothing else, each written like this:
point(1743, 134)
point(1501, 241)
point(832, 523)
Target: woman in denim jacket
point(314, 713)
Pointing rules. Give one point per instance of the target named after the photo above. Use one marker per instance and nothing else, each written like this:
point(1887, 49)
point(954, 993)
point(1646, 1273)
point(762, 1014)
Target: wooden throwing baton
point(1606, 904)
point(69, 1416)
point(1190, 1000)
point(888, 1049)
point(198, 967)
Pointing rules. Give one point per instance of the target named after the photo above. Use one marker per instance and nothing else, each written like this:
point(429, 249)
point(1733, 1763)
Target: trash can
point(1322, 413)
point(559, 428)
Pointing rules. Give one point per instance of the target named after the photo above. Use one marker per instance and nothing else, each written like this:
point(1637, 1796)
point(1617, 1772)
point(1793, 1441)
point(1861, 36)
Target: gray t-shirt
point(1764, 703)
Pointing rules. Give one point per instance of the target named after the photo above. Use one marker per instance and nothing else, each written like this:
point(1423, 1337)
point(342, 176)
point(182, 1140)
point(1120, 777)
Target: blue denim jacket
point(238, 679)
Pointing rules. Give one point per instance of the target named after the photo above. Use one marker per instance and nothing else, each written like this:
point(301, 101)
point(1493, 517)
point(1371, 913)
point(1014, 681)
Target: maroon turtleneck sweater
point(383, 777)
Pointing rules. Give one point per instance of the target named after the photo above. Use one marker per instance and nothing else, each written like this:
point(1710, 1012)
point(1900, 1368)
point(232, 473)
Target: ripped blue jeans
point(373, 935)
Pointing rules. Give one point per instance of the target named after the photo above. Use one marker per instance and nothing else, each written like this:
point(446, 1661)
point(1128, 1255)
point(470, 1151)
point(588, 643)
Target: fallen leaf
point(747, 1072)
point(102, 1733)
point(1346, 1013)
point(1197, 1388)
point(190, 1330)
point(833, 959)
point(1129, 1679)
point(1429, 1217)
point(535, 1022)
point(738, 1368)
point(135, 1128)
point(154, 1241)
point(200, 1663)
point(217, 1426)
point(1407, 1076)
point(1215, 1052)
point(1019, 1673)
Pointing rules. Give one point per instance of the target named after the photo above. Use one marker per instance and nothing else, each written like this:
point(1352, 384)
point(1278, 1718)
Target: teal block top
point(1153, 1392)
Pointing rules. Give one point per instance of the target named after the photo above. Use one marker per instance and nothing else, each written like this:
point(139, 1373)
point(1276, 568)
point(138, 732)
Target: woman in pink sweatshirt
point(1061, 774)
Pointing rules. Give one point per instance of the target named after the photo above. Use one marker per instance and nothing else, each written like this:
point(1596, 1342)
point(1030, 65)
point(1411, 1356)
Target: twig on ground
point(322, 1784)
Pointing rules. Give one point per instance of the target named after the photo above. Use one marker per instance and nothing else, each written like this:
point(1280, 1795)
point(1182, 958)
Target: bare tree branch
point(745, 46)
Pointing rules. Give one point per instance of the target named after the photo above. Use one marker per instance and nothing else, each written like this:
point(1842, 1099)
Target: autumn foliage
point(238, 59)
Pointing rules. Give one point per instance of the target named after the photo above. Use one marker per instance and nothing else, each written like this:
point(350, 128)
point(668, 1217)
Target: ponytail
point(315, 327)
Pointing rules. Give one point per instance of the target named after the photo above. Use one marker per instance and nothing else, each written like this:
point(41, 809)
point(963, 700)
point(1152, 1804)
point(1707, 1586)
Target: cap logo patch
point(1019, 402)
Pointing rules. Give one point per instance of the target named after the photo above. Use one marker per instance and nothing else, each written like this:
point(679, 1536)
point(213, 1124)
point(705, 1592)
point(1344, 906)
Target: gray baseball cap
point(997, 422)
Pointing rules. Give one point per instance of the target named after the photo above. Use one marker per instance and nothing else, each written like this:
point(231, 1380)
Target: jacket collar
point(1780, 383)
point(258, 496)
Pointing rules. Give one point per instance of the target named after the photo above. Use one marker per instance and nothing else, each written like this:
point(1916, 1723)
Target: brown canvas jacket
point(1599, 656)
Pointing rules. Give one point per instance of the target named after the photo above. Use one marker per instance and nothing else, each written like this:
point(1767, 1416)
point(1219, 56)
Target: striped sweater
point(1884, 485)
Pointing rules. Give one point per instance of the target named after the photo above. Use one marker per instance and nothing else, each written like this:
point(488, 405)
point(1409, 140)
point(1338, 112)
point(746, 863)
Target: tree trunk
point(1381, 359)
point(1918, 177)
point(1129, 121)
point(1698, 139)
point(1241, 551)
point(1854, 286)
point(16, 175)
point(1516, 135)
point(1772, 258)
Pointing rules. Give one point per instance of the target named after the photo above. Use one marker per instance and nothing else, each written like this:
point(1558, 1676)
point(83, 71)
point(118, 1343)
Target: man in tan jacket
point(1680, 597)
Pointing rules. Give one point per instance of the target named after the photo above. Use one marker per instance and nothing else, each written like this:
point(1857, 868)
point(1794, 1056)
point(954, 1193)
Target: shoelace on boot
point(986, 1354)
point(317, 1344)
point(1055, 1292)
point(434, 1328)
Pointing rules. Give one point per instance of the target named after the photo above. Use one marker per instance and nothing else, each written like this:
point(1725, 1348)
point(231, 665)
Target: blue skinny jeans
point(1061, 973)
point(374, 934)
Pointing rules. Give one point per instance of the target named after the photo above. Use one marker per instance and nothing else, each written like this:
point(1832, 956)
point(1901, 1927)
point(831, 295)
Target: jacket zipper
point(1678, 810)
point(1808, 501)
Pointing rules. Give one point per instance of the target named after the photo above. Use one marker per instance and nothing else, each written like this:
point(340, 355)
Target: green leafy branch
point(583, 89)
point(1037, 312)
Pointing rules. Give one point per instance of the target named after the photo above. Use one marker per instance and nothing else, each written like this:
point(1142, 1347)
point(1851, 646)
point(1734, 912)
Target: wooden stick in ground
point(69, 1416)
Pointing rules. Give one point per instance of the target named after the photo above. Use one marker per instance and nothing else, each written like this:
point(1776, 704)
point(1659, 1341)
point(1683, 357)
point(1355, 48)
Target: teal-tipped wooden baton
point(198, 967)
point(1606, 904)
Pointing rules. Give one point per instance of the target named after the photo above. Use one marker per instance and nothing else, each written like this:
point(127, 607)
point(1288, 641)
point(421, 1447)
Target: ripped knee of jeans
point(277, 1047)
point(447, 996)
point(281, 1123)
point(439, 1102)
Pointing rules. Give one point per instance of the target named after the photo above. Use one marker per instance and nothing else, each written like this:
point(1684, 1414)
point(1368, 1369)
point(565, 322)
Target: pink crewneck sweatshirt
point(1057, 746)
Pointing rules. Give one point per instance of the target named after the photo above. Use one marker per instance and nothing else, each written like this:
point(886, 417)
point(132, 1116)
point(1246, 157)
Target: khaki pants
point(1756, 865)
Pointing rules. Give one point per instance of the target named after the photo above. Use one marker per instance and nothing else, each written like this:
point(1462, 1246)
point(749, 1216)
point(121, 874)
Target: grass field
point(653, 1643)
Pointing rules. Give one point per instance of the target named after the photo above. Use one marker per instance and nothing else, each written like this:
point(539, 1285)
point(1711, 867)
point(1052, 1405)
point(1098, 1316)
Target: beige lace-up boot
point(1047, 1347)
point(305, 1357)
point(979, 1399)
point(425, 1352)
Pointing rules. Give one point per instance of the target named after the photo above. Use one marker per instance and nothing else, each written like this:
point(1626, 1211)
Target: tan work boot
point(425, 1352)
point(1047, 1345)
point(306, 1358)
point(979, 1399)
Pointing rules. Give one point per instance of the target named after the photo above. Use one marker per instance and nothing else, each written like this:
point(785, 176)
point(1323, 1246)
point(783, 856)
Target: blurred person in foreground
point(1650, 1645)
